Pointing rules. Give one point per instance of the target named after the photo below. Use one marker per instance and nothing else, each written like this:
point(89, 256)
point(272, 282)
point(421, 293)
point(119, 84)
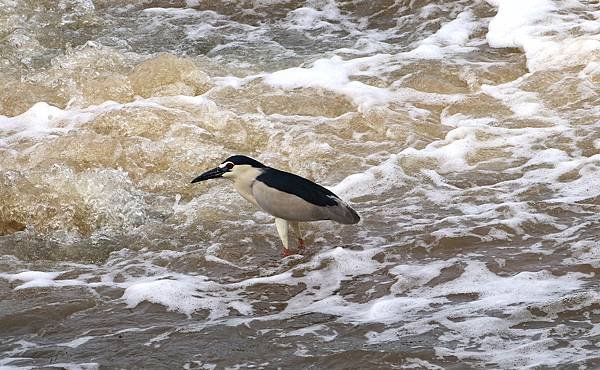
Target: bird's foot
point(286, 252)
point(301, 249)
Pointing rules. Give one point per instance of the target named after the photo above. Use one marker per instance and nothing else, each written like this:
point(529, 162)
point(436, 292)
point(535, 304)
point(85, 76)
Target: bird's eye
point(229, 165)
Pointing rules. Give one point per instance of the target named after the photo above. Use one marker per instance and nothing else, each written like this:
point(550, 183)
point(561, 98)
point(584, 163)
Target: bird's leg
point(282, 229)
point(296, 229)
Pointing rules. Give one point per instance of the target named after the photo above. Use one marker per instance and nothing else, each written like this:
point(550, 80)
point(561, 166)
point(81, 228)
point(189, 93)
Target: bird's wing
point(295, 198)
point(298, 186)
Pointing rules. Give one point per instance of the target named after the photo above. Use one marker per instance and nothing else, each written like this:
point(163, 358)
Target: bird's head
point(231, 168)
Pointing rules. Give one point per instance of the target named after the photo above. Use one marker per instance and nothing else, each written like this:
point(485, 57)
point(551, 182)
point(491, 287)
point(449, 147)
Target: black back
point(299, 186)
point(242, 159)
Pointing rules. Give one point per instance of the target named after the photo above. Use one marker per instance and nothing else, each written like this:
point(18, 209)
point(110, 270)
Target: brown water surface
point(465, 133)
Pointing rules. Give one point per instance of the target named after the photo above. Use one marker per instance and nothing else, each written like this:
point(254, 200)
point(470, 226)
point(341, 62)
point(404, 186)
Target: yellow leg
point(282, 229)
point(298, 233)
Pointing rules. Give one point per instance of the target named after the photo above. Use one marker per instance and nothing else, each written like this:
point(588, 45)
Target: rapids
point(465, 133)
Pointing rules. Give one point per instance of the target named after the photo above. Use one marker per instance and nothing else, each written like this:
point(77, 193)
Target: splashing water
point(466, 134)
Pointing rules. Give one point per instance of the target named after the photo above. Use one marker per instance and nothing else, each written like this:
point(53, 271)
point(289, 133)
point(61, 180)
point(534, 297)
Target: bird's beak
point(210, 174)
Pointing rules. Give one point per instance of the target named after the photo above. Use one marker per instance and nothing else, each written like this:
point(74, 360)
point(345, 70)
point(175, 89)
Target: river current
point(465, 133)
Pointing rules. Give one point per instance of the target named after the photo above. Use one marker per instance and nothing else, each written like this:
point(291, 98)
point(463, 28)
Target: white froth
point(591, 71)
point(586, 185)
point(584, 251)
point(73, 366)
point(450, 38)
point(172, 11)
point(415, 275)
point(523, 103)
point(506, 28)
point(316, 330)
point(478, 310)
point(41, 116)
point(323, 73)
point(307, 18)
point(7, 360)
point(44, 119)
point(389, 310)
point(334, 74)
point(492, 292)
point(409, 308)
point(77, 342)
point(457, 31)
point(470, 321)
point(460, 120)
point(373, 181)
point(39, 279)
point(550, 38)
point(187, 295)
point(451, 153)
point(496, 291)
point(27, 276)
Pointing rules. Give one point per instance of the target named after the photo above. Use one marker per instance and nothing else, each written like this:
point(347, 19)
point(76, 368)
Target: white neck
point(243, 176)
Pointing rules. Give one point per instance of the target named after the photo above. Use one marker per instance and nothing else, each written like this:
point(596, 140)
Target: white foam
point(334, 74)
point(373, 181)
point(307, 18)
point(457, 31)
point(416, 275)
point(340, 265)
point(523, 103)
point(186, 294)
point(558, 163)
point(316, 330)
point(7, 360)
point(77, 342)
point(44, 119)
point(177, 12)
point(587, 185)
point(470, 320)
point(546, 31)
point(584, 251)
point(450, 153)
point(39, 279)
point(27, 276)
point(73, 366)
point(591, 71)
point(498, 291)
point(41, 116)
point(506, 28)
point(418, 363)
point(389, 309)
point(450, 38)
point(488, 306)
point(197, 24)
point(413, 306)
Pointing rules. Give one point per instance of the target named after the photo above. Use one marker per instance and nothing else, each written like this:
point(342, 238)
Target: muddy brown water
point(466, 134)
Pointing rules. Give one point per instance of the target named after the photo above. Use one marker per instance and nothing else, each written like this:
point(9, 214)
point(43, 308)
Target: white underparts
point(243, 176)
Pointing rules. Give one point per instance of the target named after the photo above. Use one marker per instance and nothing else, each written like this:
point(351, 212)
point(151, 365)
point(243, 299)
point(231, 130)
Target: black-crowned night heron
point(290, 198)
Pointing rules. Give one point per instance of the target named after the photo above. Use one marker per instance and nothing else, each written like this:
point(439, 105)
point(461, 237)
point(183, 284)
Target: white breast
point(243, 180)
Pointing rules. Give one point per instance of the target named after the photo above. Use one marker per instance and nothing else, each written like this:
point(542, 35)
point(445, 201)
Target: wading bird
point(291, 199)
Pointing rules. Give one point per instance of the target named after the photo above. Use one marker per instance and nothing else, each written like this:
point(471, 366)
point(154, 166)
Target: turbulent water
point(465, 133)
